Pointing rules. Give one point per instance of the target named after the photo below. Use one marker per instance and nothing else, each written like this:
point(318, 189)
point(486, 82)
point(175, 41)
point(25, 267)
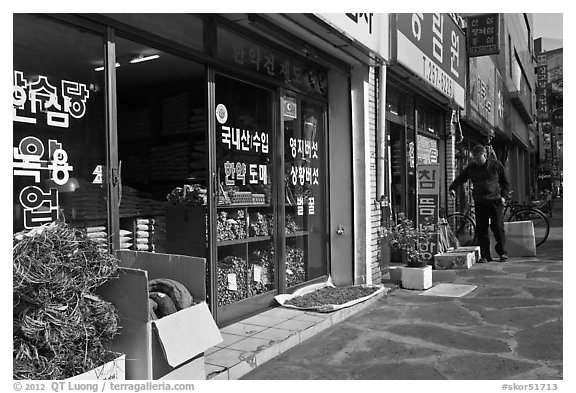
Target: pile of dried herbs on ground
point(331, 295)
point(61, 328)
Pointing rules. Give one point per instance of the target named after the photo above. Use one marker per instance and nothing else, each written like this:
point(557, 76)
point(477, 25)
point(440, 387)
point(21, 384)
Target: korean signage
point(501, 105)
point(242, 140)
point(43, 164)
point(428, 181)
point(369, 29)
point(483, 35)
point(40, 100)
point(249, 55)
point(541, 88)
point(433, 47)
point(482, 90)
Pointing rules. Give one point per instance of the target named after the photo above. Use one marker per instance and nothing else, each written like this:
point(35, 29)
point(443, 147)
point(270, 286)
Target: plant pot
point(417, 277)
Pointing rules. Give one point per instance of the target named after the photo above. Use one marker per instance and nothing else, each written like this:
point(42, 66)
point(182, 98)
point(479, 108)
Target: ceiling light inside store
point(102, 68)
point(144, 58)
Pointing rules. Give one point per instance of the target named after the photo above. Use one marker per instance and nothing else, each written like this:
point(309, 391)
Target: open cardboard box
point(113, 370)
point(171, 347)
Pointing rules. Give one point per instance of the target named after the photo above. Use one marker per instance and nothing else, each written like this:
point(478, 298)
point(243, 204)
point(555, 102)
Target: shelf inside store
point(242, 241)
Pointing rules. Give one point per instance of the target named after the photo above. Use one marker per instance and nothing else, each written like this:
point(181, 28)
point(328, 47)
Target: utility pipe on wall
point(382, 186)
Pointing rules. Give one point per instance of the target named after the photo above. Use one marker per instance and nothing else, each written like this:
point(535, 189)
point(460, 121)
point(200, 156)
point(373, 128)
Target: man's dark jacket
point(490, 180)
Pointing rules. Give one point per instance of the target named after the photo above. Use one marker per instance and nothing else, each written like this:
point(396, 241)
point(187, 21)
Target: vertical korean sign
point(433, 47)
point(428, 204)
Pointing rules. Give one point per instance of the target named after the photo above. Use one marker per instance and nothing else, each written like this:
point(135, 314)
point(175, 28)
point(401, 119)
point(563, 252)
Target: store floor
point(253, 341)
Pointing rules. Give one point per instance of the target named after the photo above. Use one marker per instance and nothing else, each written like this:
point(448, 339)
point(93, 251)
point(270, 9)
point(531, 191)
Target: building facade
point(272, 145)
point(549, 107)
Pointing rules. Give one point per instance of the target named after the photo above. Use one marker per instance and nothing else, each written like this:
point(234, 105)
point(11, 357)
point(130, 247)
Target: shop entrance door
point(403, 169)
point(244, 253)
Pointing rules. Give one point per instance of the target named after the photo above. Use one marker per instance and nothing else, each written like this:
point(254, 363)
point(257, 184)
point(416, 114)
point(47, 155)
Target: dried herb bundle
point(331, 295)
point(61, 328)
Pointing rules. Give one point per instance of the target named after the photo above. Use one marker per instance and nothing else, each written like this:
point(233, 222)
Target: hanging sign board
point(483, 35)
point(433, 47)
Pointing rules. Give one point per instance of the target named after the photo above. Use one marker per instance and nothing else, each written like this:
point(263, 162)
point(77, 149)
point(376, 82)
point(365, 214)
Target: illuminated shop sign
point(483, 35)
point(39, 98)
point(433, 47)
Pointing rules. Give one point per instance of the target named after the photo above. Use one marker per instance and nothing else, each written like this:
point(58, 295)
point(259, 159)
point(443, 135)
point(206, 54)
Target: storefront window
point(162, 150)
point(245, 229)
point(59, 129)
point(304, 149)
point(427, 150)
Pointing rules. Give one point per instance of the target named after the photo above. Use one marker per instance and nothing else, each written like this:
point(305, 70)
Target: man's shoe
point(482, 260)
point(503, 258)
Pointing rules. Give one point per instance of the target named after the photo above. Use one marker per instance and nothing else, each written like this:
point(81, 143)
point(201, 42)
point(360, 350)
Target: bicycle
point(464, 224)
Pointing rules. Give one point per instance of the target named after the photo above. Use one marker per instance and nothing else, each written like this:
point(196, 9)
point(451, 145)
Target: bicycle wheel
point(463, 227)
point(539, 219)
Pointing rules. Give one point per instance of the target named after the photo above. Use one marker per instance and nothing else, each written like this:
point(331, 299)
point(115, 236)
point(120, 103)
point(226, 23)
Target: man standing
point(491, 187)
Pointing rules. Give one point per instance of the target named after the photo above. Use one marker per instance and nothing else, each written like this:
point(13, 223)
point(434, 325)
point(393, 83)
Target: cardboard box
point(417, 277)
point(156, 349)
point(474, 249)
point(454, 260)
point(113, 370)
point(520, 239)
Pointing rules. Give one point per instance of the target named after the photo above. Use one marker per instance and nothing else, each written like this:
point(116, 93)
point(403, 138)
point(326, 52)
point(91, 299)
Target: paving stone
point(554, 276)
point(450, 313)
point(549, 292)
point(476, 366)
point(380, 349)
point(497, 292)
point(398, 371)
point(450, 338)
point(504, 302)
point(521, 317)
point(543, 342)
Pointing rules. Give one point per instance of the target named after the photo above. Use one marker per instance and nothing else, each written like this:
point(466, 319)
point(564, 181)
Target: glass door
point(245, 229)
point(303, 125)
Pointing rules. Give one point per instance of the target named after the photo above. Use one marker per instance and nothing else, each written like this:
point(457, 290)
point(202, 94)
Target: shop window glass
point(245, 228)
point(427, 150)
point(162, 151)
point(59, 130)
point(304, 174)
point(185, 29)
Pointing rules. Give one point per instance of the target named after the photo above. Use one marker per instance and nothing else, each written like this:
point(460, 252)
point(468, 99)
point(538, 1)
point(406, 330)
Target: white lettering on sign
point(97, 172)
point(417, 25)
point(438, 78)
point(244, 140)
point(438, 37)
point(41, 96)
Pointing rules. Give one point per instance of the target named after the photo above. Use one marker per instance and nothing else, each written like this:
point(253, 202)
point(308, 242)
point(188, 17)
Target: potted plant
point(404, 241)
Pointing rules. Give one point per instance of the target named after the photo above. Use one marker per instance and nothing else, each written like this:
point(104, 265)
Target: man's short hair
point(478, 149)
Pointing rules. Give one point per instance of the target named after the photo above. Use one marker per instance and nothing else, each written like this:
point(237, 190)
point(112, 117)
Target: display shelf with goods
point(244, 234)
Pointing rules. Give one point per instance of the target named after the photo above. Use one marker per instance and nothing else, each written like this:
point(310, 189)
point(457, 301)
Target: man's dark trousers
point(490, 214)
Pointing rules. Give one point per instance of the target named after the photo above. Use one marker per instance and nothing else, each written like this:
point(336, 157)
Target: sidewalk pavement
point(509, 327)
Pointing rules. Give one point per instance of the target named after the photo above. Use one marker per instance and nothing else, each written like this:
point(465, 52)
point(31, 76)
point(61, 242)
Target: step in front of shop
point(258, 339)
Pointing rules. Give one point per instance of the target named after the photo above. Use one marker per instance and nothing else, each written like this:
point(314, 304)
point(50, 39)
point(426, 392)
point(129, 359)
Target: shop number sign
point(428, 204)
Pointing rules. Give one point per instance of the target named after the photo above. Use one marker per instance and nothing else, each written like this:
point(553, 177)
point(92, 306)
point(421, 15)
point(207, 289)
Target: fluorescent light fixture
point(102, 68)
point(144, 58)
